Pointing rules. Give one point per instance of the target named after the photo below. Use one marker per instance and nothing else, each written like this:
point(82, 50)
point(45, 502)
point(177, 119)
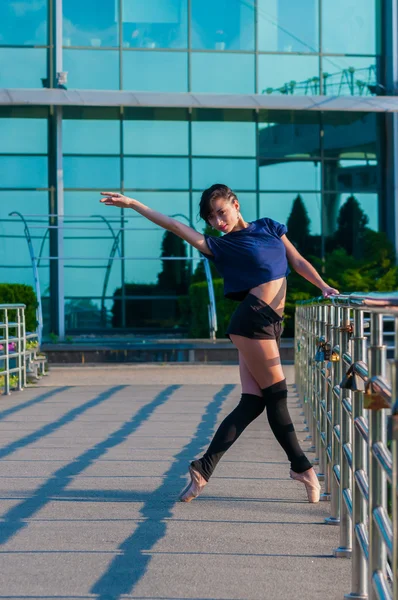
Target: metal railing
point(351, 410)
point(13, 342)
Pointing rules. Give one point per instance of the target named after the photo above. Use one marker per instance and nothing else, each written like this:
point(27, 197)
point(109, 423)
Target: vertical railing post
point(23, 327)
point(359, 567)
point(6, 355)
point(394, 453)
point(328, 405)
point(377, 477)
point(312, 378)
point(344, 550)
point(19, 348)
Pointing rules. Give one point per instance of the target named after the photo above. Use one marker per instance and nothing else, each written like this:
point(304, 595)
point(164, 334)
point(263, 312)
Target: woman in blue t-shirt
point(253, 260)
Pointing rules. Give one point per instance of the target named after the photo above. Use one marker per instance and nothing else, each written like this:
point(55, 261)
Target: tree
point(351, 228)
point(298, 226)
point(174, 276)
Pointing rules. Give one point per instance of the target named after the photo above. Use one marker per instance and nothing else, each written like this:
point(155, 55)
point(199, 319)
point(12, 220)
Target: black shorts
point(256, 320)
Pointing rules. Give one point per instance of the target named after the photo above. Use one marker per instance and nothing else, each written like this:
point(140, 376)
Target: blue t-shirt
point(249, 257)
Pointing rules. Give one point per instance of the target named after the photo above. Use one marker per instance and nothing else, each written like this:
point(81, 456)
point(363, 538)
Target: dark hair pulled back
point(216, 191)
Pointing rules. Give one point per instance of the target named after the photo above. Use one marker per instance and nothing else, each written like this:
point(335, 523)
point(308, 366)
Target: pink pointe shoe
point(311, 483)
point(195, 486)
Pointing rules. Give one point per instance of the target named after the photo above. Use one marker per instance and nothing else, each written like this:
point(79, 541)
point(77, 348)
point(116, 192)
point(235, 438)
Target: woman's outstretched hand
point(115, 199)
point(329, 291)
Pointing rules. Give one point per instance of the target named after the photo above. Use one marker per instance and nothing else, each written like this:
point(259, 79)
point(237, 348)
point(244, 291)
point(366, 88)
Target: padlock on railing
point(335, 354)
point(353, 380)
point(319, 355)
point(377, 394)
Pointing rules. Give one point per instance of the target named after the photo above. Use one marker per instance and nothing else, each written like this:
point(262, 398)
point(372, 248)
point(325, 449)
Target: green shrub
point(18, 293)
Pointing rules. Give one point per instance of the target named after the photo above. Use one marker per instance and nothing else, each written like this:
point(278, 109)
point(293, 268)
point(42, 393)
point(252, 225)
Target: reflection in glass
point(368, 203)
point(350, 175)
point(349, 26)
point(222, 25)
point(286, 26)
point(279, 207)
point(287, 74)
point(290, 175)
point(23, 22)
point(350, 76)
point(85, 25)
point(155, 71)
point(92, 172)
point(22, 67)
point(217, 73)
point(289, 134)
point(147, 242)
point(155, 24)
point(350, 135)
point(155, 137)
point(156, 173)
point(238, 174)
point(89, 136)
point(23, 136)
point(223, 138)
point(92, 69)
point(23, 171)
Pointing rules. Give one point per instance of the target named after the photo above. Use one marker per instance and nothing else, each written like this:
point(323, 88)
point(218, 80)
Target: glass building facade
point(165, 156)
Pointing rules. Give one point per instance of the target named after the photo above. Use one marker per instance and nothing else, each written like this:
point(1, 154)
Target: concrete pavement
point(90, 476)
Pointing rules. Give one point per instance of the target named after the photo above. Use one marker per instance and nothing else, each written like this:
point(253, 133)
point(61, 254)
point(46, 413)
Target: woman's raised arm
point(190, 235)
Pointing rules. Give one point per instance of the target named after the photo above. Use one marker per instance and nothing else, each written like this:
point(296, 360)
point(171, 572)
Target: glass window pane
point(155, 137)
point(288, 74)
point(238, 174)
point(86, 25)
point(350, 135)
point(350, 76)
point(156, 173)
point(155, 71)
point(93, 172)
point(286, 26)
point(351, 175)
point(23, 136)
point(23, 67)
point(288, 134)
point(90, 239)
point(216, 73)
point(14, 248)
point(23, 22)
point(92, 69)
point(349, 26)
point(90, 136)
point(223, 138)
point(222, 25)
point(155, 23)
point(290, 175)
point(146, 240)
point(368, 203)
point(279, 207)
point(23, 171)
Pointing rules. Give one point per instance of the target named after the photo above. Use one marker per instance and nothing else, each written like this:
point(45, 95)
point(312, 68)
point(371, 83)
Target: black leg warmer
point(275, 397)
point(248, 409)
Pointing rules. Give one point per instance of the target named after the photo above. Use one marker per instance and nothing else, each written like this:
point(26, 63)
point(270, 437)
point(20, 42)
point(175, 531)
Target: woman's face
point(224, 215)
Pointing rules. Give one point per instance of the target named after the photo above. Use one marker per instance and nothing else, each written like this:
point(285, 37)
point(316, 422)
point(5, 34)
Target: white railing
point(349, 388)
point(18, 349)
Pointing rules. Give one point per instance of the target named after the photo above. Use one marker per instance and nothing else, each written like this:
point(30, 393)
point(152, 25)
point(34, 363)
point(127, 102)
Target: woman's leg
point(249, 408)
point(263, 360)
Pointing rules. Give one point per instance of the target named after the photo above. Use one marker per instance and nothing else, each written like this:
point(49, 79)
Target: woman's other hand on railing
point(329, 291)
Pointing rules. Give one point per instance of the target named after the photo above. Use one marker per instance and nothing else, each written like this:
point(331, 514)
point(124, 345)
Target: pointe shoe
point(195, 486)
point(311, 483)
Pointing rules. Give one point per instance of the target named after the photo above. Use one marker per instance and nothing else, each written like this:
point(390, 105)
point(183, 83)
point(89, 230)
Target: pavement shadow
point(18, 407)
point(15, 519)
point(128, 567)
point(66, 418)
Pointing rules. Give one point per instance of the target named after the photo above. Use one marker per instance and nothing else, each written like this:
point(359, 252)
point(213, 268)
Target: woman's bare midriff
point(272, 293)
